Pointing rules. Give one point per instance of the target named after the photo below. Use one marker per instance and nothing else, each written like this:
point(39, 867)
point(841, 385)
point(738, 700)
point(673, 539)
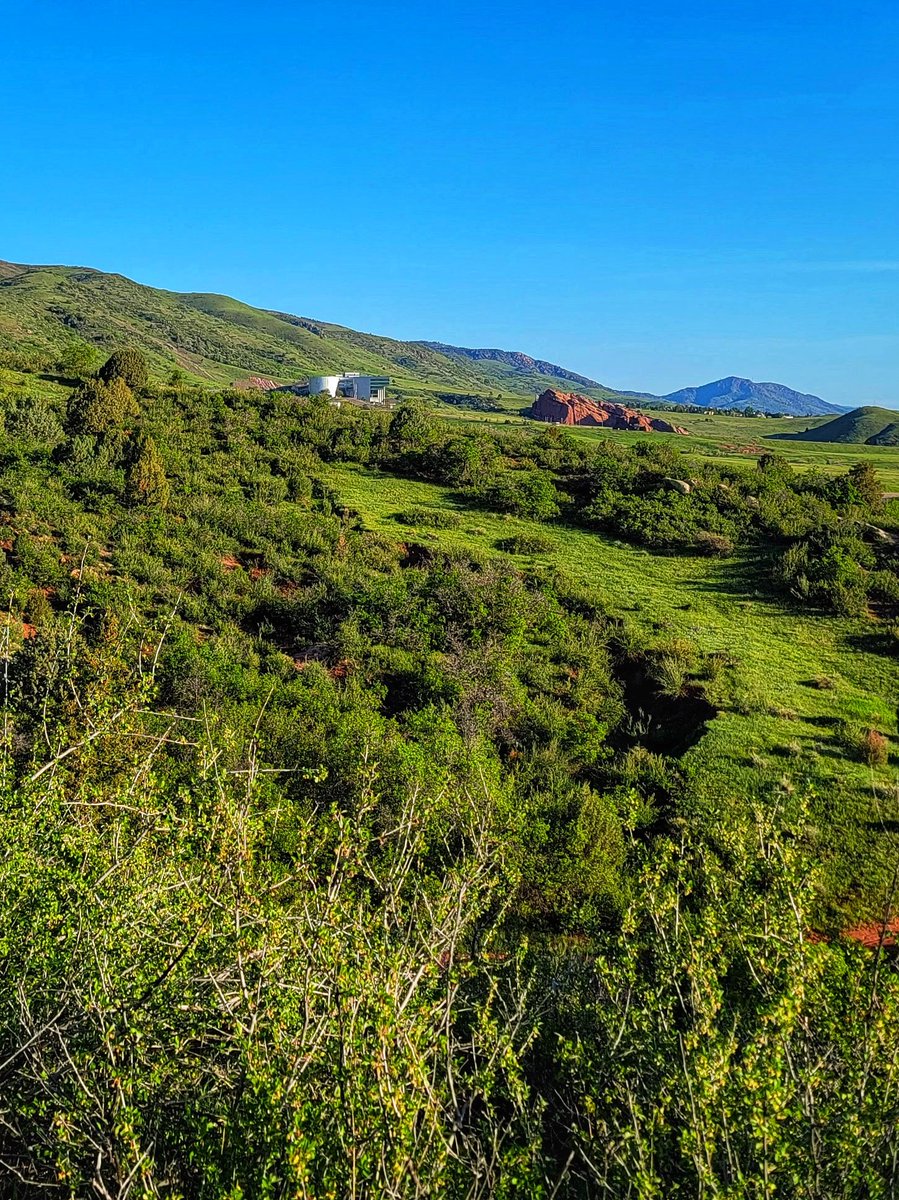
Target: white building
point(350, 384)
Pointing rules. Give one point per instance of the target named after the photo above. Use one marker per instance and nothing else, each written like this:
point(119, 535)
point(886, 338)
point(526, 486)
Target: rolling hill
point(863, 426)
point(733, 392)
point(218, 339)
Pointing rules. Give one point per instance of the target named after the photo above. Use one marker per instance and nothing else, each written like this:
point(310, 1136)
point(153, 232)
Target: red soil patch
point(869, 934)
point(874, 934)
point(229, 562)
point(255, 383)
point(6, 545)
point(257, 573)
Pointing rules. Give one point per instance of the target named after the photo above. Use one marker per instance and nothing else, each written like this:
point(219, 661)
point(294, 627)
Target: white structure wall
point(324, 383)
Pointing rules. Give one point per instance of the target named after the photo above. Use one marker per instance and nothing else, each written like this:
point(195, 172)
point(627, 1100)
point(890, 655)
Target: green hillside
point(863, 426)
point(216, 339)
point(376, 779)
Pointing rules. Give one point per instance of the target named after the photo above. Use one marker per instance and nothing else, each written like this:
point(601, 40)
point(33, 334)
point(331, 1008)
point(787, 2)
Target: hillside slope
point(863, 426)
point(219, 339)
point(503, 364)
point(734, 392)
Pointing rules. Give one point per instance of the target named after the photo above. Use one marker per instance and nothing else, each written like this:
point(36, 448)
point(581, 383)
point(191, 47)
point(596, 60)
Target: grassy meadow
point(797, 678)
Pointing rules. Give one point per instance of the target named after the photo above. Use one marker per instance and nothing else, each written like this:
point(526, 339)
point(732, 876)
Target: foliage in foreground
point(207, 992)
point(374, 874)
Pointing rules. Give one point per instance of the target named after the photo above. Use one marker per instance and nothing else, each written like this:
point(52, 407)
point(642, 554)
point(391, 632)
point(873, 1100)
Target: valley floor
point(798, 676)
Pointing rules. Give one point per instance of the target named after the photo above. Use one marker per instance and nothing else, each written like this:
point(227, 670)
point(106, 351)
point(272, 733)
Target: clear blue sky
point(655, 194)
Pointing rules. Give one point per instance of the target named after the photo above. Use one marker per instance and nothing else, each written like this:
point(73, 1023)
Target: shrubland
point(339, 864)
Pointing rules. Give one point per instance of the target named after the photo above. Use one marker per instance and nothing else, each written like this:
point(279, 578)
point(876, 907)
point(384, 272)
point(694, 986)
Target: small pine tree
point(100, 408)
point(128, 365)
point(868, 486)
point(145, 481)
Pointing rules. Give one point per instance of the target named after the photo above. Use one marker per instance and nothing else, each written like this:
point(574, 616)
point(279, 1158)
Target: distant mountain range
point(217, 339)
point(515, 360)
point(736, 393)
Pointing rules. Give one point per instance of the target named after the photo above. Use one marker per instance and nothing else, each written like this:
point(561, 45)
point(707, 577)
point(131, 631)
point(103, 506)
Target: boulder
point(875, 534)
point(679, 485)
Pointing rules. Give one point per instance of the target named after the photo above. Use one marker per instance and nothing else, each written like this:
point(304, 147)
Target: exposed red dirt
point(255, 383)
point(229, 562)
point(874, 934)
point(870, 934)
point(570, 408)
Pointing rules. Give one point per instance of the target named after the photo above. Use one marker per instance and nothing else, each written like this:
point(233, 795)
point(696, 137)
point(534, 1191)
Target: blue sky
point(654, 194)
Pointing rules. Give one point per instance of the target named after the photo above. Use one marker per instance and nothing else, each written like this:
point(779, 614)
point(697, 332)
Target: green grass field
point(775, 721)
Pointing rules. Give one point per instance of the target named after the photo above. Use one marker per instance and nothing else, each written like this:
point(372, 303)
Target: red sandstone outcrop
point(569, 408)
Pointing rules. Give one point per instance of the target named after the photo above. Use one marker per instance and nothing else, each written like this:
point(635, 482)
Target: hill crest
point(218, 339)
point(865, 426)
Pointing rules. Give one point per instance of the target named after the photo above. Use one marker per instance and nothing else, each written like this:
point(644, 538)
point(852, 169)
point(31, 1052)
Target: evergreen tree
point(128, 365)
point(145, 481)
point(101, 408)
point(409, 428)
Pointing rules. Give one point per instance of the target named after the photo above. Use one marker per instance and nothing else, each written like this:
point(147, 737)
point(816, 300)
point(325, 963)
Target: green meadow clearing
point(777, 726)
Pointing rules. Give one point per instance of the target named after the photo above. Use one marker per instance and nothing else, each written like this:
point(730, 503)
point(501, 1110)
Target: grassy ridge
point(862, 425)
point(216, 339)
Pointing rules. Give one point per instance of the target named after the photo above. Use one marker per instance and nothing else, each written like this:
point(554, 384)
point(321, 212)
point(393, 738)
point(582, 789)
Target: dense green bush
point(102, 409)
point(129, 365)
point(430, 518)
point(526, 543)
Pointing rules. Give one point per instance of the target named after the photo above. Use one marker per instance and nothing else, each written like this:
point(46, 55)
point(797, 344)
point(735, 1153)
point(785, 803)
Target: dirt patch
point(874, 934)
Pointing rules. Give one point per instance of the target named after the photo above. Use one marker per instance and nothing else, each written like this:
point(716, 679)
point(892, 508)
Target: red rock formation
point(568, 408)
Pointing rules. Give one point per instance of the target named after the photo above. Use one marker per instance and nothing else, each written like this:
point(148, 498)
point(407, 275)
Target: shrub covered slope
point(367, 853)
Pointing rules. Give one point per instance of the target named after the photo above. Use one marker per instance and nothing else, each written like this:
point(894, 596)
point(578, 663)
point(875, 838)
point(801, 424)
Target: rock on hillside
point(569, 408)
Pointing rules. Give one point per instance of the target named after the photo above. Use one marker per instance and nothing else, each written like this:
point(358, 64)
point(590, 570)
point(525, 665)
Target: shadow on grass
point(874, 641)
point(743, 576)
